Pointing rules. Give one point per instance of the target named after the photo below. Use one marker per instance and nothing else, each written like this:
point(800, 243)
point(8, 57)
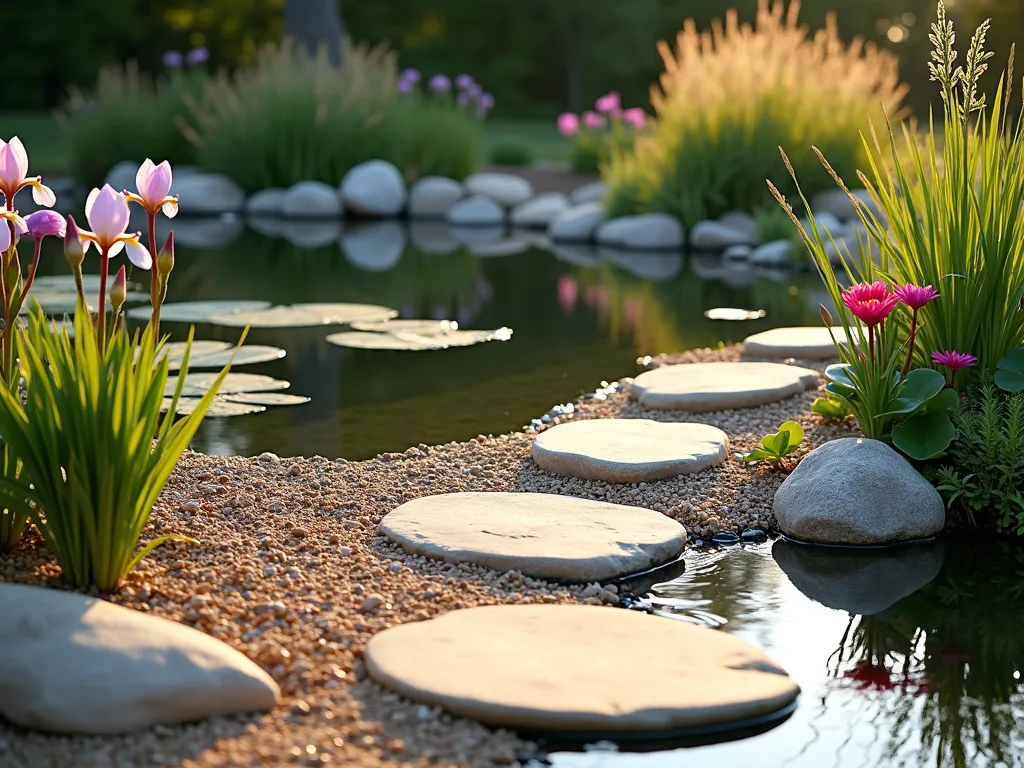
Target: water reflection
point(930, 677)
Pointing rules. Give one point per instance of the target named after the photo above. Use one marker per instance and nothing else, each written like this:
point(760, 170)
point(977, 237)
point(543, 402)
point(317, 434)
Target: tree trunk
point(315, 23)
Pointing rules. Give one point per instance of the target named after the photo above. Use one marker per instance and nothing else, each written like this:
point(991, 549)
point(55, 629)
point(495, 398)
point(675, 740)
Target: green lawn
point(42, 138)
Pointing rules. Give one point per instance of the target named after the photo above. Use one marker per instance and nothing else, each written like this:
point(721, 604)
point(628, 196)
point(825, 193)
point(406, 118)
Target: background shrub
point(512, 150)
point(729, 98)
point(129, 116)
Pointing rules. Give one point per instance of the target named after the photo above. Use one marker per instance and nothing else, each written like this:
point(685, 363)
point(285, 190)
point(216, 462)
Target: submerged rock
point(857, 491)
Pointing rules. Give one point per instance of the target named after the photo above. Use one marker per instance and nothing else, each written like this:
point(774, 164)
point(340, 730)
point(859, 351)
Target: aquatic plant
point(729, 97)
point(597, 134)
point(776, 446)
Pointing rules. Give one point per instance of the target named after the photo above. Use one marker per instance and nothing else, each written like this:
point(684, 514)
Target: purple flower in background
point(410, 75)
point(484, 104)
point(593, 120)
point(463, 99)
point(440, 83)
point(568, 123)
point(474, 90)
point(173, 59)
point(405, 86)
point(463, 81)
point(198, 55)
point(635, 118)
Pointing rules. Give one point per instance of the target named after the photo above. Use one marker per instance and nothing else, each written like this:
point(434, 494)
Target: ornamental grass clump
point(730, 97)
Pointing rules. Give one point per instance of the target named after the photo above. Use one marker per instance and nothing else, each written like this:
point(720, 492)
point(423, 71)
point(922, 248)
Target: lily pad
point(218, 407)
point(197, 311)
point(217, 354)
point(416, 342)
point(304, 316)
point(268, 398)
point(731, 313)
point(197, 384)
point(66, 283)
point(419, 327)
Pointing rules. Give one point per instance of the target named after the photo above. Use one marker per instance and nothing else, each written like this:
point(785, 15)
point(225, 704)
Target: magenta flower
point(6, 219)
point(954, 360)
point(154, 184)
point(608, 104)
point(197, 55)
point(593, 120)
point(173, 59)
point(568, 123)
point(635, 118)
point(463, 81)
point(567, 293)
point(915, 296)
point(871, 303)
point(14, 175)
point(46, 223)
point(440, 83)
point(107, 213)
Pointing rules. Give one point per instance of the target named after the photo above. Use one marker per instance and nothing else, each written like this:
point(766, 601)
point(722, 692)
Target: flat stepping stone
point(560, 668)
point(629, 450)
point(542, 535)
point(703, 387)
point(808, 342)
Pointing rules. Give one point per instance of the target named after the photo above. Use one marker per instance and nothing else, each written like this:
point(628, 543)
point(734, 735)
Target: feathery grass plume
point(729, 97)
point(946, 213)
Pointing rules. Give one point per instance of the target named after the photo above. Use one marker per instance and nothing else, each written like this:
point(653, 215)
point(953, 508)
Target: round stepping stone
point(808, 342)
point(719, 386)
point(629, 450)
point(553, 668)
point(542, 535)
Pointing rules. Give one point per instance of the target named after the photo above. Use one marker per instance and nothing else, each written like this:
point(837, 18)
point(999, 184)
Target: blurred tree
point(315, 23)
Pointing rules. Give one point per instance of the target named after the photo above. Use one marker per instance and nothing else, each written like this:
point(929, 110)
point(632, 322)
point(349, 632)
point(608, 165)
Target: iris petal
point(137, 253)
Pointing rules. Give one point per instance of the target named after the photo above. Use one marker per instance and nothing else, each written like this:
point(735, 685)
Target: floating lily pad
point(197, 311)
point(268, 398)
point(66, 283)
point(730, 313)
point(197, 384)
point(416, 342)
point(218, 407)
point(419, 327)
point(217, 354)
point(304, 315)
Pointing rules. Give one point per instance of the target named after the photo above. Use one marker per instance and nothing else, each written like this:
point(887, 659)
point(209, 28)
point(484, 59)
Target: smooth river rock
point(504, 188)
point(579, 668)
point(476, 211)
point(815, 342)
point(540, 211)
point(715, 235)
point(857, 491)
point(76, 664)
point(432, 196)
point(629, 450)
point(206, 193)
point(311, 200)
point(719, 386)
point(858, 581)
point(374, 188)
point(543, 535)
point(577, 224)
point(266, 202)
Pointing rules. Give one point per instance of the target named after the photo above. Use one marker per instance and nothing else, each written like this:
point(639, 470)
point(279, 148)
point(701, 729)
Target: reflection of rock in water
point(310, 234)
point(584, 255)
point(483, 234)
point(736, 274)
point(433, 238)
point(649, 266)
point(375, 247)
point(859, 581)
point(205, 232)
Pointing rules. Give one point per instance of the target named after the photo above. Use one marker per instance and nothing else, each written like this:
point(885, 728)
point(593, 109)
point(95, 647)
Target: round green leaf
point(925, 435)
point(920, 386)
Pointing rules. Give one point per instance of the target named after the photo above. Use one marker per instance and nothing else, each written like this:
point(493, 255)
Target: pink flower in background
point(440, 83)
point(107, 213)
point(6, 219)
point(609, 104)
point(871, 303)
point(631, 309)
point(198, 55)
point(955, 361)
point(46, 224)
point(154, 183)
point(173, 59)
point(914, 296)
point(635, 118)
point(13, 175)
point(593, 120)
point(568, 293)
point(568, 123)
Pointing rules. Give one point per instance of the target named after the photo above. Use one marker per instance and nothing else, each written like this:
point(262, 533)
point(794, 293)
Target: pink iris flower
point(6, 219)
point(154, 184)
point(871, 303)
point(107, 213)
point(568, 123)
point(915, 296)
point(635, 118)
point(46, 224)
point(593, 120)
point(608, 104)
point(13, 175)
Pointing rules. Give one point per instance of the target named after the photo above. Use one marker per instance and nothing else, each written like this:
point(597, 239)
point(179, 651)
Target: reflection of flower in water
point(483, 289)
point(596, 297)
point(567, 293)
point(465, 316)
point(867, 676)
point(439, 312)
point(407, 310)
point(631, 309)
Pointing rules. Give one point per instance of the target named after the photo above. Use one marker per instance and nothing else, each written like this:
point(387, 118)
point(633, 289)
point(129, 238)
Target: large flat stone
point(538, 534)
point(629, 450)
point(76, 664)
point(720, 386)
point(571, 668)
point(808, 342)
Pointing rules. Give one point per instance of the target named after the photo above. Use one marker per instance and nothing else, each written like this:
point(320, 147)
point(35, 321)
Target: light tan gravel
point(290, 571)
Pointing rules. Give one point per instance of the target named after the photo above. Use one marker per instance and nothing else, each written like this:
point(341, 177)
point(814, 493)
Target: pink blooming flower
point(46, 223)
point(635, 118)
point(13, 175)
point(107, 213)
point(568, 123)
point(6, 219)
point(593, 120)
point(871, 303)
point(915, 296)
point(954, 360)
point(608, 104)
point(154, 183)
point(567, 293)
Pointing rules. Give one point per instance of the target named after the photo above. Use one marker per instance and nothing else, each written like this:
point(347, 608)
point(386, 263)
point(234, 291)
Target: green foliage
point(776, 446)
point(95, 452)
point(983, 473)
point(830, 408)
point(773, 224)
point(129, 116)
point(727, 100)
point(587, 152)
point(1009, 375)
point(440, 141)
point(511, 150)
point(949, 211)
